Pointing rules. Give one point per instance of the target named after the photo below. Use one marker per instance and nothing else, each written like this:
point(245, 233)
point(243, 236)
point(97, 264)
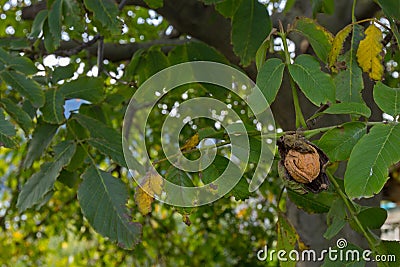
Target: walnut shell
point(303, 167)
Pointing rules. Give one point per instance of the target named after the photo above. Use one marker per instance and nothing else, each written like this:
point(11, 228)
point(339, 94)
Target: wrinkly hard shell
point(303, 167)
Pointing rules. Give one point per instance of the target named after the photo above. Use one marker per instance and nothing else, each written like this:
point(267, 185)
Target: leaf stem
point(308, 133)
point(349, 204)
point(300, 121)
point(353, 12)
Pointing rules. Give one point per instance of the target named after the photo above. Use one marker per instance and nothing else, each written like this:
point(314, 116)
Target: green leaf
point(43, 181)
point(154, 61)
point(133, 66)
point(7, 132)
point(287, 239)
point(367, 169)
point(349, 81)
point(54, 21)
point(315, 84)
point(178, 177)
point(53, 110)
point(195, 51)
point(269, 78)
point(320, 39)
point(29, 109)
point(174, 195)
point(62, 73)
point(217, 168)
point(392, 250)
point(106, 12)
point(107, 140)
point(22, 64)
point(250, 25)
point(390, 8)
point(88, 88)
point(339, 142)
point(17, 114)
point(49, 44)
point(41, 138)
point(111, 148)
point(349, 108)
point(68, 178)
point(37, 25)
point(312, 203)
point(323, 6)
point(370, 217)
point(254, 151)
point(154, 4)
point(102, 198)
point(227, 8)
point(72, 13)
point(336, 218)
point(5, 57)
point(349, 84)
point(24, 86)
point(78, 159)
point(262, 53)
point(387, 99)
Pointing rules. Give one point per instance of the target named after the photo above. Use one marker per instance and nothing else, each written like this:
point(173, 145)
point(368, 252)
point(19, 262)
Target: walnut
point(303, 167)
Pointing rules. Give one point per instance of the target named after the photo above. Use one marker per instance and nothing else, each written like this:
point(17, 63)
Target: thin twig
point(100, 54)
point(122, 4)
point(78, 49)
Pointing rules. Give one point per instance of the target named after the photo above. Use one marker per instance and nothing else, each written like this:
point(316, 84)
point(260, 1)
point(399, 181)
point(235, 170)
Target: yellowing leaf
point(144, 195)
point(319, 37)
point(369, 53)
point(337, 46)
point(143, 201)
point(191, 143)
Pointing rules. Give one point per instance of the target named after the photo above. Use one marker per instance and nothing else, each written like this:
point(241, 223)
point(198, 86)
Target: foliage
point(66, 194)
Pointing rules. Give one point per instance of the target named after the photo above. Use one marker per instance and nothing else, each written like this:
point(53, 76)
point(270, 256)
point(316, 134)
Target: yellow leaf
point(144, 194)
point(191, 143)
point(143, 201)
point(337, 46)
point(369, 53)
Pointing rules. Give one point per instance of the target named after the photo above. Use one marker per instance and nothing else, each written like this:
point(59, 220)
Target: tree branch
point(112, 51)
